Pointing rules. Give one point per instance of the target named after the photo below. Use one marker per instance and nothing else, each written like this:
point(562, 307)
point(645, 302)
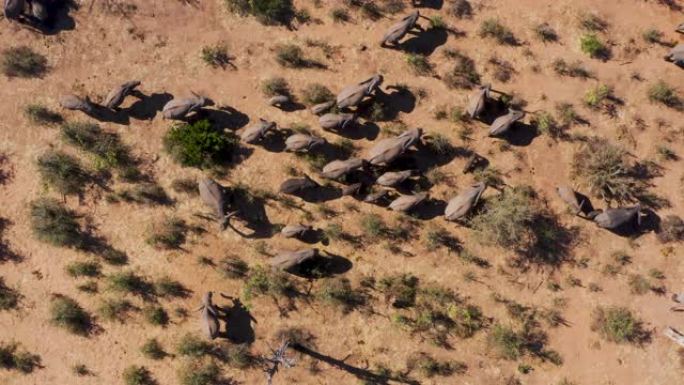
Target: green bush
point(506, 219)
point(115, 309)
point(106, 146)
point(652, 36)
point(83, 269)
point(574, 69)
point(156, 315)
point(199, 372)
point(199, 144)
point(619, 325)
point(275, 86)
point(9, 297)
point(53, 223)
point(262, 281)
point(215, 56)
point(419, 64)
point(492, 28)
point(546, 124)
point(68, 314)
point(597, 96)
point(339, 293)
point(152, 349)
point(316, 93)
point(167, 234)
point(194, 346)
point(13, 359)
point(593, 46)
point(23, 62)
point(39, 114)
point(662, 93)
point(506, 342)
point(137, 375)
point(62, 172)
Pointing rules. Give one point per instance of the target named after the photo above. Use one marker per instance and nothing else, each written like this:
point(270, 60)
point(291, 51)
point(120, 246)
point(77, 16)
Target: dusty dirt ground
point(159, 44)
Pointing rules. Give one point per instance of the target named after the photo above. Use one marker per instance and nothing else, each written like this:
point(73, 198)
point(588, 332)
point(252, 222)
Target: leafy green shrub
point(339, 293)
point(593, 46)
point(68, 314)
point(23, 62)
point(199, 144)
point(13, 359)
point(597, 96)
point(463, 74)
point(262, 281)
point(167, 234)
point(339, 15)
point(662, 93)
point(53, 223)
point(199, 372)
point(546, 124)
point(492, 28)
point(216, 56)
point(506, 220)
point(603, 168)
point(545, 32)
point(9, 297)
point(137, 375)
point(194, 346)
point(39, 114)
point(419, 64)
point(106, 146)
point(275, 86)
point(129, 282)
point(152, 349)
point(115, 309)
point(83, 269)
point(233, 267)
point(506, 342)
point(156, 315)
point(62, 172)
point(671, 229)
point(619, 325)
point(316, 93)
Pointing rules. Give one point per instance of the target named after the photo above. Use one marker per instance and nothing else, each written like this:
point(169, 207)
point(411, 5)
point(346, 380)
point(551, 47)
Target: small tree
point(199, 144)
point(67, 313)
point(53, 223)
point(603, 168)
point(619, 325)
point(62, 172)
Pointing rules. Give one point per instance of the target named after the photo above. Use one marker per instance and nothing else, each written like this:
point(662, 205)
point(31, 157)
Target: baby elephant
point(117, 95)
point(178, 109)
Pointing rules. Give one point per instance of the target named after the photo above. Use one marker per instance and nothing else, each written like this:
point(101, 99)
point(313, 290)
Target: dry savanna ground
point(106, 248)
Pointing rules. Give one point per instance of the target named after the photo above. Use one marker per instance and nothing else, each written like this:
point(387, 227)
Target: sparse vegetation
point(199, 144)
point(62, 172)
point(275, 86)
point(419, 64)
point(671, 229)
point(68, 314)
point(23, 62)
point(194, 346)
point(233, 267)
point(137, 375)
point(545, 33)
point(156, 315)
point(619, 325)
point(53, 223)
point(492, 28)
point(662, 93)
point(430, 367)
point(597, 96)
point(83, 269)
point(115, 309)
point(339, 15)
point(199, 372)
point(11, 358)
point(262, 281)
point(339, 293)
point(290, 56)
point(107, 147)
point(463, 74)
point(167, 234)
point(316, 93)
point(574, 69)
point(152, 349)
point(461, 9)
point(39, 114)
point(9, 297)
point(268, 12)
point(215, 56)
point(129, 282)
